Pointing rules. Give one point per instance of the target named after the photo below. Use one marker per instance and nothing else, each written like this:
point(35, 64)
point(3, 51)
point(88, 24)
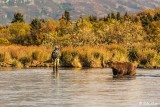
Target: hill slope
point(55, 8)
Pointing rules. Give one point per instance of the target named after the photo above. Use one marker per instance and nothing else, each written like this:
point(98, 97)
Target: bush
point(67, 58)
point(147, 57)
point(76, 62)
point(7, 57)
point(14, 53)
point(95, 63)
point(25, 60)
point(84, 56)
point(133, 55)
point(117, 47)
point(43, 56)
point(3, 64)
point(35, 55)
point(93, 59)
point(17, 64)
point(1, 57)
point(158, 60)
point(4, 41)
point(144, 61)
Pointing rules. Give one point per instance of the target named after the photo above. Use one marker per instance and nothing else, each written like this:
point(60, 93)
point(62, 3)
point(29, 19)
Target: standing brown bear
point(122, 68)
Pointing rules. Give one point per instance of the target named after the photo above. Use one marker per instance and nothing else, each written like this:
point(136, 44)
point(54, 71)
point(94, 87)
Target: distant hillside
point(55, 8)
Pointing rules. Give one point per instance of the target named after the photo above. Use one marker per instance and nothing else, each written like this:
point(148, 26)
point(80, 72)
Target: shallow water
point(78, 88)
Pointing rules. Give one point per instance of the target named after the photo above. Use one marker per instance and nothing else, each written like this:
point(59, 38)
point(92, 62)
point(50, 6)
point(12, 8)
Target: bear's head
point(110, 64)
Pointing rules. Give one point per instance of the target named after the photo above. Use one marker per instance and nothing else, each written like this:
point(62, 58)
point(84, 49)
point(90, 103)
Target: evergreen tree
point(149, 16)
point(67, 15)
point(108, 17)
point(118, 16)
point(157, 16)
point(145, 21)
point(36, 24)
point(18, 17)
point(93, 18)
point(105, 19)
point(136, 19)
point(113, 16)
point(36, 30)
point(126, 16)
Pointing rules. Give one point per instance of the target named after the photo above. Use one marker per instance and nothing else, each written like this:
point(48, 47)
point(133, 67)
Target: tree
point(93, 18)
point(157, 16)
point(145, 21)
point(126, 16)
point(48, 32)
point(149, 16)
point(36, 30)
point(18, 17)
point(67, 15)
point(126, 33)
point(118, 16)
point(36, 24)
point(48, 26)
point(108, 17)
point(136, 19)
point(113, 15)
point(153, 31)
point(5, 33)
point(20, 33)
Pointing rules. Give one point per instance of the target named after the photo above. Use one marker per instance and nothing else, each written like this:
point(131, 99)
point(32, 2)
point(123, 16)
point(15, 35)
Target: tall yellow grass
point(89, 56)
point(14, 54)
point(85, 56)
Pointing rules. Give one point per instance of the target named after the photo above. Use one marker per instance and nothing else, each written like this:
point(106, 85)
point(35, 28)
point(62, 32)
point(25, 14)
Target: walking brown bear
point(122, 68)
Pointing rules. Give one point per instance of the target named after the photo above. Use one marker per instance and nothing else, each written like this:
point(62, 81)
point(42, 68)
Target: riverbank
point(77, 57)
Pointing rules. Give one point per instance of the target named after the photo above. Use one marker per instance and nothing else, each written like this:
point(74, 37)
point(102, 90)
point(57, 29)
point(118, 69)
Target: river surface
point(78, 88)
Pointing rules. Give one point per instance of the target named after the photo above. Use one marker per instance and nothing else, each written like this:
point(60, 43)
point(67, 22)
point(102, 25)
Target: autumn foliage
point(88, 41)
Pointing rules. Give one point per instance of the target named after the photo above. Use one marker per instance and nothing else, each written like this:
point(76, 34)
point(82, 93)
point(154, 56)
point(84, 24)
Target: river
point(78, 88)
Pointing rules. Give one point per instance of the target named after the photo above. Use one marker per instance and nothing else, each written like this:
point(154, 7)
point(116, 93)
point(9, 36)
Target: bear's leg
point(115, 72)
point(121, 73)
point(133, 73)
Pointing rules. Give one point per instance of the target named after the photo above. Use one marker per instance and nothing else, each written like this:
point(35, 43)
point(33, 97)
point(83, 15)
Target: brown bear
point(122, 68)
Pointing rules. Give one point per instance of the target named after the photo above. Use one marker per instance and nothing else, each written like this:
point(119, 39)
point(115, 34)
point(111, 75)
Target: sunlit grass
point(81, 56)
